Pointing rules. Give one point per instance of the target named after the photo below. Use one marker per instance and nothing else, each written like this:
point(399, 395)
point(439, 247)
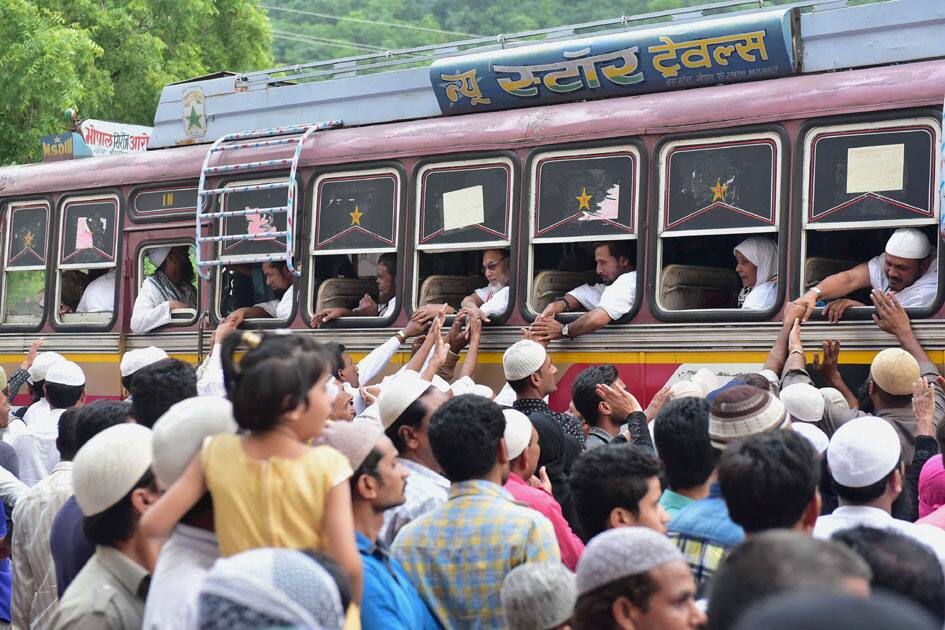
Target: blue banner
point(664, 57)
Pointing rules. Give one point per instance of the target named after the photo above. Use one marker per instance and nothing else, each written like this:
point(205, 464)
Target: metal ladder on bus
point(208, 215)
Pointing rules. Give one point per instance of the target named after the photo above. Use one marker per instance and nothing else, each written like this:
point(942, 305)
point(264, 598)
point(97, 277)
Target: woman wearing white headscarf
point(758, 269)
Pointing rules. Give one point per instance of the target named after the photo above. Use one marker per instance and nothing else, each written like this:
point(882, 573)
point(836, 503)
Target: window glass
point(24, 278)
point(88, 245)
point(261, 217)
point(179, 285)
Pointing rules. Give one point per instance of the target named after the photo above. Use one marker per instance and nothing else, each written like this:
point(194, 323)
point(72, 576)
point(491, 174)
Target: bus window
point(248, 289)
point(167, 288)
point(24, 274)
point(717, 244)
point(863, 183)
point(584, 202)
point(463, 256)
point(86, 285)
point(353, 269)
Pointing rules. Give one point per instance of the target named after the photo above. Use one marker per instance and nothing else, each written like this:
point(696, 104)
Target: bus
point(826, 164)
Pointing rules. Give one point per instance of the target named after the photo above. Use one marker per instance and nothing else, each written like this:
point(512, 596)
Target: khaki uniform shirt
point(107, 594)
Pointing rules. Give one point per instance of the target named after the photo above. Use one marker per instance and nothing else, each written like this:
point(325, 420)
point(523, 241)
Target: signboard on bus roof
point(664, 57)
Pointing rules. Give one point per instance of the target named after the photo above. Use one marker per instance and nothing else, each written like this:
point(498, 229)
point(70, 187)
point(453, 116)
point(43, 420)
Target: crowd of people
point(281, 484)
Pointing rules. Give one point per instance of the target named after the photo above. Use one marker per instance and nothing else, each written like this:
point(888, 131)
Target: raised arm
point(829, 369)
point(472, 354)
point(778, 353)
point(161, 518)
point(835, 286)
point(892, 318)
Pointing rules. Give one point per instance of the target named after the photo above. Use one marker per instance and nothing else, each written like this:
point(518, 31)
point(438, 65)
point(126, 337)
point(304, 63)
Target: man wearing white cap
point(406, 405)
point(908, 269)
point(192, 549)
point(134, 360)
point(865, 464)
point(36, 445)
point(114, 486)
point(36, 380)
point(521, 439)
point(171, 287)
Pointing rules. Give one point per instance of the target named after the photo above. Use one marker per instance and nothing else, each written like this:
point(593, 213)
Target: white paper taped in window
point(463, 207)
point(875, 169)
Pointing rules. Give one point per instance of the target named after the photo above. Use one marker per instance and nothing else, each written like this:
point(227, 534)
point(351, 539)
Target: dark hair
point(584, 390)
point(768, 480)
point(594, 610)
point(465, 434)
point(519, 386)
point(281, 265)
point(940, 437)
point(892, 400)
point(158, 386)
point(97, 416)
point(900, 564)
point(775, 562)
point(755, 380)
point(681, 435)
point(608, 477)
point(335, 353)
point(388, 260)
point(127, 380)
point(65, 438)
point(118, 522)
point(412, 416)
point(617, 249)
point(273, 377)
point(368, 467)
point(863, 396)
point(865, 494)
point(62, 396)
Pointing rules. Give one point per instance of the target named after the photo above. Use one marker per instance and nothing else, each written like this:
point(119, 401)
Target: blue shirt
point(68, 544)
point(6, 580)
point(390, 599)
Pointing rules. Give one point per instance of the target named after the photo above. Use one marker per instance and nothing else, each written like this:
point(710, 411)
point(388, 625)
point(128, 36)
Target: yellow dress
point(276, 502)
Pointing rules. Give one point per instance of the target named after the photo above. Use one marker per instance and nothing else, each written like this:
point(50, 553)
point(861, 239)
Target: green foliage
point(111, 58)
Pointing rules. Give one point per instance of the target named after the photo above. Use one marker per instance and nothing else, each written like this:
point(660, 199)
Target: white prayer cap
point(397, 394)
point(3, 379)
point(466, 385)
point(686, 389)
point(894, 370)
point(817, 438)
point(440, 383)
point(42, 363)
point(833, 395)
point(803, 402)
point(518, 432)
point(506, 396)
point(522, 359)
point(908, 243)
point(157, 255)
point(538, 596)
point(331, 389)
point(109, 466)
point(863, 451)
point(66, 373)
point(179, 434)
point(618, 553)
point(134, 360)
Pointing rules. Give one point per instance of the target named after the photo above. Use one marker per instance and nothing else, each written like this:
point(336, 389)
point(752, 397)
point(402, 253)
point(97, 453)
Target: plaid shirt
point(459, 553)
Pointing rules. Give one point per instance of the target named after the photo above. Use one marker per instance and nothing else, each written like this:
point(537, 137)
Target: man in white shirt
point(37, 377)
point(36, 445)
point(279, 279)
point(604, 302)
point(171, 287)
point(99, 295)
point(34, 582)
point(866, 466)
point(193, 548)
point(485, 302)
point(385, 305)
point(908, 269)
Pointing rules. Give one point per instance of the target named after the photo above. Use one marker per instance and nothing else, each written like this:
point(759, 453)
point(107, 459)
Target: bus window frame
point(887, 118)
point(5, 208)
point(215, 277)
point(65, 199)
point(164, 216)
point(660, 179)
point(309, 289)
point(510, 159)
point(140, 278)
point(527, 273)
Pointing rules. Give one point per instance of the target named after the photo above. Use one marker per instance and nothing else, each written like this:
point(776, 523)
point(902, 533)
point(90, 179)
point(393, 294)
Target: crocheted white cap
point(622, 552)
point(908, 243)
point(538, 596)
point(134, 360)
point(863, 451)
point(817, 438)
point(66, 373)
point(804, 402)
point(397, 394)
point(157, 255)
point(522, 359)
point(178, 435)
point(109, 466)
point(518, 432)
point(41, 365)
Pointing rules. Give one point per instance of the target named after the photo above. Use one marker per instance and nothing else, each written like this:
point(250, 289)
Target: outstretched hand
point(889, 315)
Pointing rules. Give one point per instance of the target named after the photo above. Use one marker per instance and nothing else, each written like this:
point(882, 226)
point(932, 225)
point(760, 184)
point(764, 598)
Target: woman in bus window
point(757, 267)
